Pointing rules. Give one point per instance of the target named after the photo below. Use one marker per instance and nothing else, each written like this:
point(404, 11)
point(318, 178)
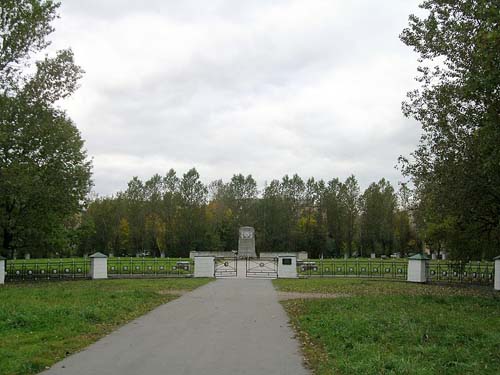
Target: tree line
point(454, 174)
point(174, 215)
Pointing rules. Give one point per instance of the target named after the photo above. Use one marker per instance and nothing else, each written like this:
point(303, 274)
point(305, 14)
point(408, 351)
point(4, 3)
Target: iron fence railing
point(261, 267)
point(481, 273)
point(226, 267)
point(391, 269)
point(47, 269)
point(474, 272)
point(461, 272)
point(161, 267)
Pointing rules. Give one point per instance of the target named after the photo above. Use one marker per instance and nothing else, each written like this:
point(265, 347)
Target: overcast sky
point(261, 87)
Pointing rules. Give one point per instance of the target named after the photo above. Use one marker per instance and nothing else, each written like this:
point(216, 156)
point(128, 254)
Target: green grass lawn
point(41, 323)
point(382, 327)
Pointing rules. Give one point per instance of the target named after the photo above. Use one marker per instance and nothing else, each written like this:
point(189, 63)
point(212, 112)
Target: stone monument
point(246, 242)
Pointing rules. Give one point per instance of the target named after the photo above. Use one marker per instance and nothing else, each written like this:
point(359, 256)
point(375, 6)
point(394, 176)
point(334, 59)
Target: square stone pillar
point(497, 273)
point(204, 266)
point(417, 268)
point(98, 266)
point(287, 267)
point(2, 270)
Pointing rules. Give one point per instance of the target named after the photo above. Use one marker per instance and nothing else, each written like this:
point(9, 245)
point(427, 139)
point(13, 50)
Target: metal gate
point(265, 268)
point(226, 267)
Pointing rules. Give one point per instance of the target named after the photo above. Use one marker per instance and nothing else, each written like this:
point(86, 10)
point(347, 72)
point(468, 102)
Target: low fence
point(389, 269)
point(442, 271)
point(80, 268)
point(98, 266)
point(461, 272)
point(47, 269)
point(148, 267)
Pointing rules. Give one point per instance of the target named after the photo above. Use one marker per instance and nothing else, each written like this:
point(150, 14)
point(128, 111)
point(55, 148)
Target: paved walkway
point(228, 326)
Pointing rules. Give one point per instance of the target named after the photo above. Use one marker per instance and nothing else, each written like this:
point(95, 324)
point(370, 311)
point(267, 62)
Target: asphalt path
point(229, 326)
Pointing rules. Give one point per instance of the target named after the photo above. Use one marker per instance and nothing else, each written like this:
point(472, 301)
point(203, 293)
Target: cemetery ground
point(389, 327)
point(42, 323)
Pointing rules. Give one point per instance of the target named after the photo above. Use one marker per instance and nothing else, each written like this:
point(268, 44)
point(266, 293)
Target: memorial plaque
point(246, 242)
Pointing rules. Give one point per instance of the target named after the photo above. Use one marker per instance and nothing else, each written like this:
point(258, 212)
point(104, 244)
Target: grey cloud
point(261, 87)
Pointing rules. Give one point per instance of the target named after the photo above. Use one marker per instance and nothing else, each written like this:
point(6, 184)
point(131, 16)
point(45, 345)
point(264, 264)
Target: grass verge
point(42, 323)
point(396, 328)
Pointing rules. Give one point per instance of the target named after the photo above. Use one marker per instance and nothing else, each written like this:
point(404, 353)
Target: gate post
point(497, 273)
point(98, 266)
point(417, 268)
point(287, 267)
point(204, 266)
point(2, 270)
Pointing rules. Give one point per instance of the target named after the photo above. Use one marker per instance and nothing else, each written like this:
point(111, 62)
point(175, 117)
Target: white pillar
point(417, 268)
point(373, 255)
point(287, 267)
point(204, 266)
point(497, 273)
point(98, 266)
point(2, 270)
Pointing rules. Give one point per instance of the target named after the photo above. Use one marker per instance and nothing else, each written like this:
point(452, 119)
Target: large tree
point(378, 209)
point(191, 215)
point(456, 168)
point(44, 172)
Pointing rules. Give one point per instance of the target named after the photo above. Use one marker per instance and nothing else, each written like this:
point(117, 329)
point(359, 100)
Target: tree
point(105, 214)
point(350, 200)
point(273, 231)
point(135, 203)
point(123, 236)
point(233, 205)
point(405, 229)
point(157, 230)
point(24, 26)
point(336, 216)
point(170, 204)
point(456, 167)
point(191, 217)
point(44, 172)
point(85, 235)
point(311, 236)
point(378, 216)
point(242, 192)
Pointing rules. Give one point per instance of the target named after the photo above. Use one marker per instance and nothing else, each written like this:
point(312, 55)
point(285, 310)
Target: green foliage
point(174, 216)
point(45, 176)
point(42, 323)
point(24, 25)
point(378, 218)
point(456, 168)
point(44, 172)
point(342, 204)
